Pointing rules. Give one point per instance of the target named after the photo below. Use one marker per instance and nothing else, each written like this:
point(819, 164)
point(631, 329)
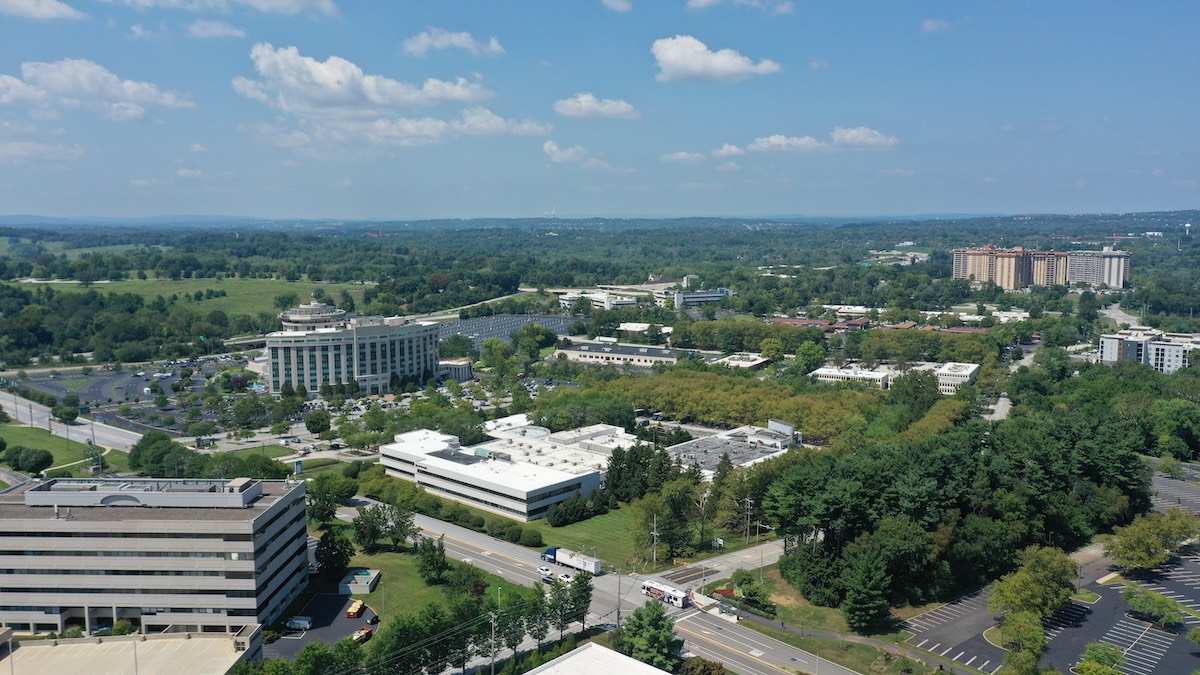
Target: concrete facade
point(618, 354)
point(366, 350)
point(520, 474)
point(1164, 352)
point(186, 555)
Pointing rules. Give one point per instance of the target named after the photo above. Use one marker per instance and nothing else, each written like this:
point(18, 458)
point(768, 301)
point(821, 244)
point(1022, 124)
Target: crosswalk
point(1142, 645)
point(967, 604)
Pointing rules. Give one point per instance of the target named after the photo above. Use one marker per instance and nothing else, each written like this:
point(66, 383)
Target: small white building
point(743, 360)
point(951, 376)
point(598, 300)
point(459, 370)
point(878, 378)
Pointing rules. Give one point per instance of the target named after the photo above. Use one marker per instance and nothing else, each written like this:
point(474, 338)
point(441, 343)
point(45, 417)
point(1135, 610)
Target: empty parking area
point(1072, 615)
point(1142, 645)
point(1168, 492)
point(952, 611)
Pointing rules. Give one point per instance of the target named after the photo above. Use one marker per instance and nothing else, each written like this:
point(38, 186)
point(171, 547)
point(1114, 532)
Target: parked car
point(362, 634)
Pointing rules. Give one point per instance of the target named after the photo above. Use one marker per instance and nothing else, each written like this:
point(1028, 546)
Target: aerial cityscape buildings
point(1017, 268)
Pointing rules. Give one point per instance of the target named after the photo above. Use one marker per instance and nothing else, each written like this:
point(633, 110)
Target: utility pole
point(749, 505)
point(654, 535)
point(492, 645)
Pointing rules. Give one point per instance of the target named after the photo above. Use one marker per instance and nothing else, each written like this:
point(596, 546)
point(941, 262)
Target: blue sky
point(405, 109)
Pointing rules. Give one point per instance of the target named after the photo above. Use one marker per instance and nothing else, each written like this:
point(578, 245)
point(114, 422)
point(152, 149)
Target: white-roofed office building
point(520, 474)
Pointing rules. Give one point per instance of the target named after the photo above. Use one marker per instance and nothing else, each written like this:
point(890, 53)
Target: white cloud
point(818, 64)
point(618, 5)
point(139, 32)
point(327, 7)
point(206, 28)
point(74, 83)
point(936, 25)
point(771, 6)
point(277, 134)
point(861, 137)
point(683, 58)
point(682, 157)
point(779, 142)
point(147, 182)
point(728, 167)
point(584, 104)
point(196, 147)
point(19, 152)
point(728, 150)
point(40, 10)
point(479, 121)
point(564, 155)
point(189, 173)
point(301, 84)
point(439, 38)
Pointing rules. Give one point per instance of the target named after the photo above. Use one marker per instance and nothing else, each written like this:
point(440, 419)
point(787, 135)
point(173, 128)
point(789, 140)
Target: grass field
point(64, 451)
point(243, 296)
point(312, 467)
point(610, 535)
point(59, 247)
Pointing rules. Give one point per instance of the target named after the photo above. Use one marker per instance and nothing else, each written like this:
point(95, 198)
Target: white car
point(545, 571)
point(565, 578)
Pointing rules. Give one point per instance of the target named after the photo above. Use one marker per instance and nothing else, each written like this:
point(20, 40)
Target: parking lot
point(328, 611)
point(955, 631)
point(1147, 650)
point(484, 327)
point(1167, 492)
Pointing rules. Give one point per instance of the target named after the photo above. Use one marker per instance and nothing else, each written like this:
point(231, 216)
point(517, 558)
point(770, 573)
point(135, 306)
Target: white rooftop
point(592, 659)
point(159, 655)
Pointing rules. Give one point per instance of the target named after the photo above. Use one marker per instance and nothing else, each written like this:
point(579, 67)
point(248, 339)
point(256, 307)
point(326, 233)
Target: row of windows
point(133, 573)
point(127, 591)
point(132, 535)
point(222, 555)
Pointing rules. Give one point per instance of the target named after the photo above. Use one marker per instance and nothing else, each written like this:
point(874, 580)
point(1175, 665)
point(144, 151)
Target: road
point(745, 651)
point(1119, 315)
point(38, 416)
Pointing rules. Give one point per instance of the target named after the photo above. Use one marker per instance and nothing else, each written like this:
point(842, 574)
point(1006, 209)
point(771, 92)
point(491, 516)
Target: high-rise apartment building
point(1164, 352)
point(1019, 267)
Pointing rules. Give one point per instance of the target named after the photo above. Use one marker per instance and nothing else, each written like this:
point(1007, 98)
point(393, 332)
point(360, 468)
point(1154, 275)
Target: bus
point(665, 593)
point(356, 610)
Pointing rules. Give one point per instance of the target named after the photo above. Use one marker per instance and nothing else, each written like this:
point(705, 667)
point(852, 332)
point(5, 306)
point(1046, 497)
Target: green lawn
point(312, 467)
point(609, 533)
point(64, 451)
point(243, 296)
point(271, 451)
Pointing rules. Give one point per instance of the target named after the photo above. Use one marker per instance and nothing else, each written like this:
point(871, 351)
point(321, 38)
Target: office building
point(951, 376)
point(320, 345)
point(679, 299)
point(520, 474)
point(874, 377)
point(597, 299)
point(1164, 352)
point(204, 556)
point(618, 354)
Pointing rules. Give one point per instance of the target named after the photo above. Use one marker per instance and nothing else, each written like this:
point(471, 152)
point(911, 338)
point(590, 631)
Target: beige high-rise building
point(1019, 267)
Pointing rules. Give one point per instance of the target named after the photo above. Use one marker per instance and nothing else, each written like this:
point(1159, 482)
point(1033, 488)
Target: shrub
point(531, 537)
point(477, 522)
point(496, 527)
point(513, 533)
